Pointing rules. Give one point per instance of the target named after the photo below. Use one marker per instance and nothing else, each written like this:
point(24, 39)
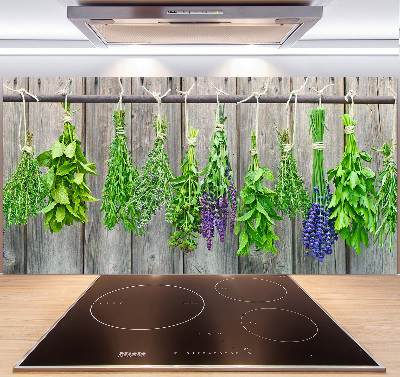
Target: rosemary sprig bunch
point(353, 203)
point(386, 204)
point(66, 178)
point(185, 204)
point(120, 176)
point(25, 192)
point(319, 232)
point(217, 190)
point(152, 189)
point(257, 210)
point(291, 197)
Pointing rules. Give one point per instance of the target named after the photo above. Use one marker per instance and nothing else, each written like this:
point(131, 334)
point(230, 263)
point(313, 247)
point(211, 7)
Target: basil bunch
point(120, 176)
point(25, 191)
point(386, 205)
point(353, 203)
point(66, 178)
point(218, 190)
point(153, 187)
point(257, 210)
point(291, 197)
point(185, 204)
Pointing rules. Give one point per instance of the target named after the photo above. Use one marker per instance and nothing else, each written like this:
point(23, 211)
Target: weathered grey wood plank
point(53, 253)
point(333, 152)
point(374, 126)
point(222, 256)
point(14, 245)
point(151, 253)
point(271, 116)
point(106, 251)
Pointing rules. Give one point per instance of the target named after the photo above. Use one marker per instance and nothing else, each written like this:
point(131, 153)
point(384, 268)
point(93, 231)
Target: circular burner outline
point(147, 285)
point(276, 340)
point(237, 299)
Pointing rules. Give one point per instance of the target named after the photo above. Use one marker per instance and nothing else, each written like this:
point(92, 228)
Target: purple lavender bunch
point(219, 192)
point(319, 230)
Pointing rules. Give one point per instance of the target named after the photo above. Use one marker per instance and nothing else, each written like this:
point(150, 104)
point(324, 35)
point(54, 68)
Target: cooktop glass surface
point(197, 322)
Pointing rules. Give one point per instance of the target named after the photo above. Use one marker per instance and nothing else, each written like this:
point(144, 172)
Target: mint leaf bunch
point(121, 174)
point(66, 179)
point(353, 203)
point(257, 212)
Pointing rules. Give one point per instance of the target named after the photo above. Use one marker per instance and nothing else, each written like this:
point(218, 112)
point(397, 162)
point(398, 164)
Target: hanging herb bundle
point(218, 190)
point(319, 231)
point(291, 197)
point(257, 210)
point(185, 204)
point(25, 192)
point(120, 176)
point(353, 203)
point(152, 189)
point(386, 205)
point(66, 178)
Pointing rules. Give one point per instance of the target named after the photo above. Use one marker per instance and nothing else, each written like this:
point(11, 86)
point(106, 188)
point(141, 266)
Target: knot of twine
point(318, 145)
point(351, 94)
point(161, 135)
point(320, 94)
point(64, 92)
point(287, 147)
point(158, 97)
point(349, 130)
point(192, 141)
point(220, 127)
point(67, 118)
point(257, 96)
point(23, 91)
point(119, 130)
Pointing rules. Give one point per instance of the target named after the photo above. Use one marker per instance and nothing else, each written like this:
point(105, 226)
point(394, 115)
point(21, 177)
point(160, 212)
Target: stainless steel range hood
point(279, 26)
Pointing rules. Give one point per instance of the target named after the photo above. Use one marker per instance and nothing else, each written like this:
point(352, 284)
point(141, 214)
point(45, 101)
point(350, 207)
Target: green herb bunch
point(257, 210)
point(353, 203)
point(66, 178)
point(386, 205)
point(291, 197)
point(185, 204)
point(120, 176)
point(25, 192)
point(153, 187)
point(218, 190)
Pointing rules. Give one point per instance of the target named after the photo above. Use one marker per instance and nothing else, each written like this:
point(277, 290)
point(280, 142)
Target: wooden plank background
point(90, 248)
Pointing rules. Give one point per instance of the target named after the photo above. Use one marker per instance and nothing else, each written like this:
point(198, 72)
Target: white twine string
point(394, 117)
point(351, 94)
point(64, 92)
point(295, 92)
point(320, 93)
point(257, 96)
point(349, 130)
point(191, 140)
point(318, 145)
point(158, 97)
point(23, 91)
point(121, 93)
point(218, 126)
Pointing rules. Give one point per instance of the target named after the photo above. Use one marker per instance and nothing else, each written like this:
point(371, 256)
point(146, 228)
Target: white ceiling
point(342, 20)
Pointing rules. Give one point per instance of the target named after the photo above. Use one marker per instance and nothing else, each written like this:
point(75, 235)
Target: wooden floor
point(367, 306)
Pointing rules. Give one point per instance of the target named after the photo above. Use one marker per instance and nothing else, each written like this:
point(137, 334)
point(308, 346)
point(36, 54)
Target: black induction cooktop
point(197, 322)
